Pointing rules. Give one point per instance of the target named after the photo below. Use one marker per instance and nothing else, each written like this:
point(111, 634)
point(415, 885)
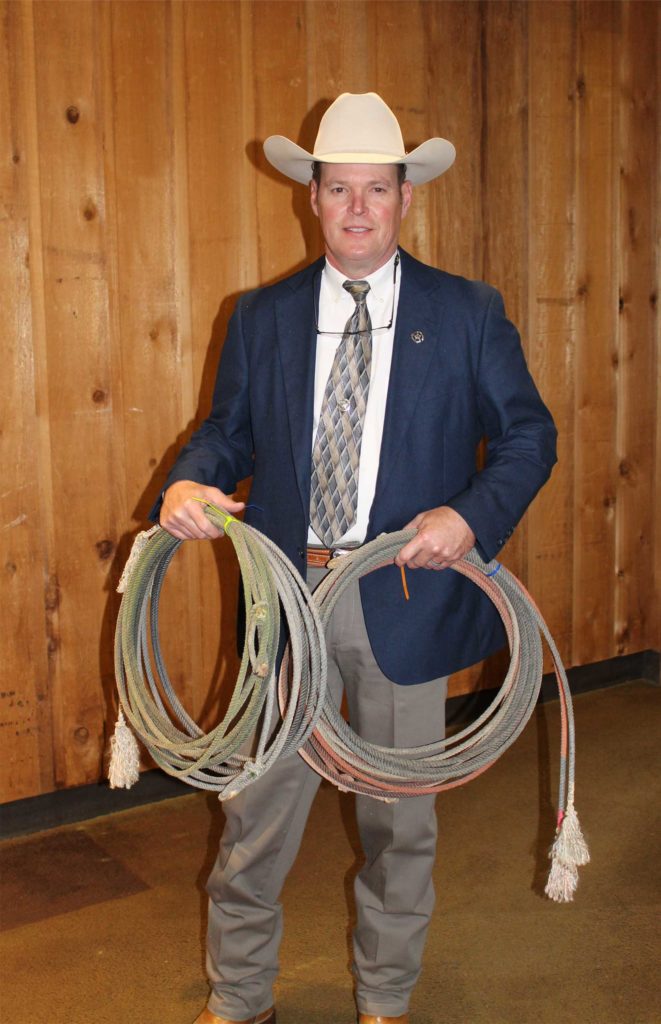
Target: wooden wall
point(136, 206)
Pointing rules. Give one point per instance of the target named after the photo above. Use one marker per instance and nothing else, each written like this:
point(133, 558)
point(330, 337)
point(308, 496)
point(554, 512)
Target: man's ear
point(407, 197)
point(313, 197)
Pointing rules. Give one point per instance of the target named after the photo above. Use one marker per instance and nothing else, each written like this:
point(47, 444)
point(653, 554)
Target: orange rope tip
point(404, 584)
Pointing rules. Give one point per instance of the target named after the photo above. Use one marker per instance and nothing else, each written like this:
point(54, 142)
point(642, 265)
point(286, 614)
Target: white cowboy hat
point(359, 128)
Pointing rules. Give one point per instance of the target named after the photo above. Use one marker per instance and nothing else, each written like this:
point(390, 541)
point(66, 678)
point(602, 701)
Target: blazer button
point(301, 553)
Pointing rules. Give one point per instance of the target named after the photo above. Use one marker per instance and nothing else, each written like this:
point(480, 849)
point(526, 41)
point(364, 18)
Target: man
point(354, 394)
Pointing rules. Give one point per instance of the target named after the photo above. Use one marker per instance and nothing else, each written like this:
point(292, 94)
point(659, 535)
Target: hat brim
point(424, 163)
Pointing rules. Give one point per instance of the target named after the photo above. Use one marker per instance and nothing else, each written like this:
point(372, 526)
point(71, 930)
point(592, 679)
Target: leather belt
point(320, 557)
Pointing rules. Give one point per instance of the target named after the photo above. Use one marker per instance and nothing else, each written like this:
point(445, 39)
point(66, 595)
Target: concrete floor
point(104, 922)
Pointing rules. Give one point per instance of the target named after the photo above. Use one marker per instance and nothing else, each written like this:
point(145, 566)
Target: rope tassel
point(124, 770)
point(569, 852)
point(562, 882)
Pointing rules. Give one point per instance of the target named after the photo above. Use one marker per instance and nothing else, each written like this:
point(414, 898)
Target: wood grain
point(140, 206)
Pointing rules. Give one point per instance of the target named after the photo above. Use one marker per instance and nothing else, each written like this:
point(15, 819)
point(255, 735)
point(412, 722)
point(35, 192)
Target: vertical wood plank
point(72, 211)
point(150, 202)
point(222, 248)
point(596, 324)
point(453, 34)
point(504, 185)
point(25, 697)
point(407, 98)
point(340, 49)
point(285, 242)
point(637, 404)
point(552, 94)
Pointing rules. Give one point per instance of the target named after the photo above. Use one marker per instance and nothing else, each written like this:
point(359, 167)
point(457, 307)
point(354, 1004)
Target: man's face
point(360, 208)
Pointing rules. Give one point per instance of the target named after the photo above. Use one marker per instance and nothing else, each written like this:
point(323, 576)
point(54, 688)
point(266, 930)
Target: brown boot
point(368, 1018)
point(267, 1017)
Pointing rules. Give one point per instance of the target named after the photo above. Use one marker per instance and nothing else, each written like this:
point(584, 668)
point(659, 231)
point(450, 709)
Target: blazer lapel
point(297, 342)
point(417, 335)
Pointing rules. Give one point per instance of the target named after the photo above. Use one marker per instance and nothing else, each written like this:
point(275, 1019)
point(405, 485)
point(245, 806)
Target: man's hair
point(316, 173)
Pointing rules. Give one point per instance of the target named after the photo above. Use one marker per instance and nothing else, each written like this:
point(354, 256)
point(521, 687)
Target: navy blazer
point(467, 379)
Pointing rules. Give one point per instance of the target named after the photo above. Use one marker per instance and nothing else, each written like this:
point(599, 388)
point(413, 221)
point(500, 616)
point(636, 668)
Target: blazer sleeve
point(520, 433)
point(220, 452)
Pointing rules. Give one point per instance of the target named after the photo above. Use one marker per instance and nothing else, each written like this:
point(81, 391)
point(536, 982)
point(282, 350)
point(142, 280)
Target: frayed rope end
point(124, 769)
point(139, 544)
point(562, 882)
point(568, 853)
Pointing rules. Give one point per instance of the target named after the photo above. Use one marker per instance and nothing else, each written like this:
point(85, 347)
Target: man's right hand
point(185, 518)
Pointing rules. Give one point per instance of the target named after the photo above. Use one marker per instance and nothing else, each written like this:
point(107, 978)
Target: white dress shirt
point(335, 307)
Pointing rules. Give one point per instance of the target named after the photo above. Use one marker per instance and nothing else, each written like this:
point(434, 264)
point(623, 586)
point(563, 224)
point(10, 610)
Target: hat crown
point(359, 123)
point(359, 128)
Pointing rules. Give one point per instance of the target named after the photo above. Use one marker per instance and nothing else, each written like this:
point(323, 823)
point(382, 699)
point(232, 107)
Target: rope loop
point(251, 734)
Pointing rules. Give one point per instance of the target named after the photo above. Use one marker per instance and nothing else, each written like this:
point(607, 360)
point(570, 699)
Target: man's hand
point(185, 518)
point(443, 537)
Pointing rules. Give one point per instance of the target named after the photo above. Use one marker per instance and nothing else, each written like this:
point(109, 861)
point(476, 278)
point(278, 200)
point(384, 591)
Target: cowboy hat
point(359, 128)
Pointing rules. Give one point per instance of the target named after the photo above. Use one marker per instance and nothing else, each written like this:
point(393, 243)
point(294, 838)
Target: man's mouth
point(358, 231)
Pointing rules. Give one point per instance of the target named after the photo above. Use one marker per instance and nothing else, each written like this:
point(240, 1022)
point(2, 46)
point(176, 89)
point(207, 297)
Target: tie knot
point(357, 289)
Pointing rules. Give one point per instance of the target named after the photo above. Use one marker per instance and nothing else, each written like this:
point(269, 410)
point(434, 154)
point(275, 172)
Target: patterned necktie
point(336, 451)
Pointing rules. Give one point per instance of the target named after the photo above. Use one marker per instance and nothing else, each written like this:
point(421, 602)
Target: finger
point(217, 497)
point(415, 523)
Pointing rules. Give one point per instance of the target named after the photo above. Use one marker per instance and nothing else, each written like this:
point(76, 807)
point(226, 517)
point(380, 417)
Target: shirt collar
point(380, 281)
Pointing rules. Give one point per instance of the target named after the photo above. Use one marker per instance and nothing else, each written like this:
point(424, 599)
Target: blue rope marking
point(493, 571)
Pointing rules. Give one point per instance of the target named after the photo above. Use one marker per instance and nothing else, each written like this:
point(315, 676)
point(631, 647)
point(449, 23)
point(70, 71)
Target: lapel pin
point(417, 337)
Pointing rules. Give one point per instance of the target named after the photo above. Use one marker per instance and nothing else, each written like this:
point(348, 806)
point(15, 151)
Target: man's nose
point(358, 203)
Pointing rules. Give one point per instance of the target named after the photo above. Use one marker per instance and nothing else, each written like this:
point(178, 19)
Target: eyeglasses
point(386, 327)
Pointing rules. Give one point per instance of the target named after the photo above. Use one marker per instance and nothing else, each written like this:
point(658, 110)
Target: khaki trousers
point(264, 827)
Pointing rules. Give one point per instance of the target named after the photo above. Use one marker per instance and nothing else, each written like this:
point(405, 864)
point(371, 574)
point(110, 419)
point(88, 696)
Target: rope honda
point(224, 760)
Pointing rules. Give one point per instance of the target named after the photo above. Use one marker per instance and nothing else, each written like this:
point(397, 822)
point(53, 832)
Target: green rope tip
point(227, 517)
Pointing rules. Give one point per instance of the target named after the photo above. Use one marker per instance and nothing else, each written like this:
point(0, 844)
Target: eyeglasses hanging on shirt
point(384, 327)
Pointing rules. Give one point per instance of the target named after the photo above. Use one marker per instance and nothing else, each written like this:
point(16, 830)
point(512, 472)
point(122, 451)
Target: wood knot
point(105, 549)
point(81, 734)
point(620, 303)
point(11, 568)
point(153, 334)
point(72, 115)
point(152, 462)
point(52, 595)
point(99, 396)
point(16, 158)
point(624, 469)
point(580, 87)
point(89, 210)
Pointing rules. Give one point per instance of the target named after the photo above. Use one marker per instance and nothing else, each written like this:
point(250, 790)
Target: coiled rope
point(251, 734)
point(310, 720)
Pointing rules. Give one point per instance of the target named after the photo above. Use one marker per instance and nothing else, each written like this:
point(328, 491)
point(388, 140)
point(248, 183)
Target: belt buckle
point(346, 550)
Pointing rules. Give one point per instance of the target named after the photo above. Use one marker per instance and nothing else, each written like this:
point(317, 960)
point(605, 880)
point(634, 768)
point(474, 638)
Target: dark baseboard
point(67, 806)
point(583, 678)
point(80, 803)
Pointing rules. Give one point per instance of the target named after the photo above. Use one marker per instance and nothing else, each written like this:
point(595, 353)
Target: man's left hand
point(443, 537)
